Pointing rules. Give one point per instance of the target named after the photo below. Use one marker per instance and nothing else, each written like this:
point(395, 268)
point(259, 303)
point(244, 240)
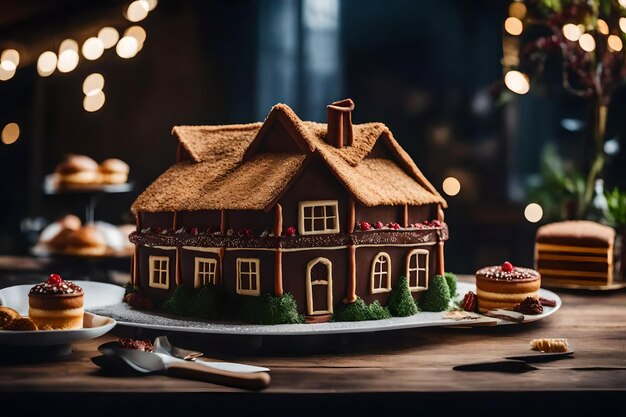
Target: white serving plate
point(127, 316)
point(97, 295)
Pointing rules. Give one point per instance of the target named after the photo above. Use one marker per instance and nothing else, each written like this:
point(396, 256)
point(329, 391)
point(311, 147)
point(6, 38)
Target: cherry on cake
point(326, 212)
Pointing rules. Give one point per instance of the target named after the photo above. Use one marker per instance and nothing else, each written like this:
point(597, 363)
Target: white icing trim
point(206, 276)
point(162, 283)
point(334, 207)
point(417, 253)
point(381, 259)
point(256, 275)
point(163, 247)
point(328, 282)
point(201, 249)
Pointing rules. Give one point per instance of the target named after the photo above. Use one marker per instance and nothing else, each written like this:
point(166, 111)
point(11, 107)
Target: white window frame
point(329, 286)
point(312, 205)
point(250, 275)
point(152, 260)
point(417, 269)
point(376, 276)
point(206, 276)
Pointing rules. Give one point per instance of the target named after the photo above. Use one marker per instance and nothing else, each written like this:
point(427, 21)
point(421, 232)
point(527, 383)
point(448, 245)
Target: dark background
point(429, 70)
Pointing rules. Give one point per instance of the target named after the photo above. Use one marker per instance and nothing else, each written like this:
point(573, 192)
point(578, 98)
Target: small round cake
point(114, 171)
point(56, 304)
point(505, 286)
point(78, 170)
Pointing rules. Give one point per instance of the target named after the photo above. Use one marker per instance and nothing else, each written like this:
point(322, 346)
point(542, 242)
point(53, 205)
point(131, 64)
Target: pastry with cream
point(56, 304)
point(505, 286)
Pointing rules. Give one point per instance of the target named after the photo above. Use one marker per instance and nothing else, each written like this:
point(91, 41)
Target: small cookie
point(7, 315)
point(21, 324)
point(549, 345)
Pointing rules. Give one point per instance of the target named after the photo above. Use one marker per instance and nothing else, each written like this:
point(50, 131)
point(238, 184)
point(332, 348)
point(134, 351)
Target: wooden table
point(388, 373)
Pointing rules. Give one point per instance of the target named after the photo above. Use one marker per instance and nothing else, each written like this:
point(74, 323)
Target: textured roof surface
point(227, 172)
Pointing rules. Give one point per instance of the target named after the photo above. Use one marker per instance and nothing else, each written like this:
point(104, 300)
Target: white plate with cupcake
point(53, 312)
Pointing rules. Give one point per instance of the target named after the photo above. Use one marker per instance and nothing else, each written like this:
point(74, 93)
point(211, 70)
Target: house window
point(248, 276)
point(205, 272)
point(417, 269)
point(318, 217)
point(159, 272)
point(381, 273)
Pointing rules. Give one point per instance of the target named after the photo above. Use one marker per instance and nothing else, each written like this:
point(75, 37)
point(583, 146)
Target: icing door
point(319, 287)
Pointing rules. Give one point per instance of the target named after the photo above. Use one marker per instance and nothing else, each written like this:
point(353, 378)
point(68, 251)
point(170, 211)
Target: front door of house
point(319, 287)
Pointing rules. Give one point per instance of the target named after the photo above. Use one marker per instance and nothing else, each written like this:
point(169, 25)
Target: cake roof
point(230, 170)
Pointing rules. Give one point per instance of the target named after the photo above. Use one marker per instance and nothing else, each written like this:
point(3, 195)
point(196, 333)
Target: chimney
point(339, 132)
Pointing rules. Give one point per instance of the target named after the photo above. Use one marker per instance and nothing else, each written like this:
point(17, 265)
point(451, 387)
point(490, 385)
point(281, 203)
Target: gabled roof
point(228, 170)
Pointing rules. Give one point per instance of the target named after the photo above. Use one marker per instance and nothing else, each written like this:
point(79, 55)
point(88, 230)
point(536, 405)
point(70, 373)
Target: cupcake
point(505, 286)
point(56, 304)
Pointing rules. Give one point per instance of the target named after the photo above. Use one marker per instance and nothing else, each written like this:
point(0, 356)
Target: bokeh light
point(587, 42)
point(615, 43)
point(571, 32)
point(93, 48)
point(513, 26)
point(10, 133)
point(137, 10)
point(517, 82)
point(533, 212)
point(93, 84)
point(127, 47)
point(46, 63)
point(9, 59)
point(94, 103)
point(109, 37)
point(451, 186)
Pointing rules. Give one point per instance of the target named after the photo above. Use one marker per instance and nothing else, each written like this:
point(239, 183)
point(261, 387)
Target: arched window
point(381, 273)
point(417, 269)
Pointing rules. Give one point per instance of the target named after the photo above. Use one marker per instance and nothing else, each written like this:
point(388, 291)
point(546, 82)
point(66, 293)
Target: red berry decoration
point(436, 223)
point(507, 267)
point(469, 302)
point(194, 230)
point(365, 225)
point(395, 226)
point(291, 231)
point(379, 225)
point(55, 279)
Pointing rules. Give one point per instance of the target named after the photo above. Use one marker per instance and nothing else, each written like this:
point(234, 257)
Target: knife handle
point(189, 370)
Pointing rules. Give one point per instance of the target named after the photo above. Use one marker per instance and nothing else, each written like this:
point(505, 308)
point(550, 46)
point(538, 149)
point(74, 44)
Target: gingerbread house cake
point(325, 212)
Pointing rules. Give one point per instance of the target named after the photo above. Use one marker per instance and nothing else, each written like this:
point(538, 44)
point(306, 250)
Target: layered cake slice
point(575, 253)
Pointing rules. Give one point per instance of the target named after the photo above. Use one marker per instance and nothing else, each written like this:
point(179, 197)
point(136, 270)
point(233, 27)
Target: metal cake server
point(148, 362)
point(162, 345)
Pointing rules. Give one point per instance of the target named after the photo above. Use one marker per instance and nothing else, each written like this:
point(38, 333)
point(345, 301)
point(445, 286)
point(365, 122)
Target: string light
point(46, 63)
point(93, 48)
point(137, 10)
point(6, 75)
point(127, 47)
point(10, 133)
point(95, 102)
point(587, 42)
point(571, 32)
point(603, 28)
point(451, 186)
point(517, 82)
point(615, 43)
point(533, 212)
point(9, 60)
point(93, 84)
point(517, 9)
point(138, 33)
point(514, 26)
point(109, 36)
point(68, 56)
